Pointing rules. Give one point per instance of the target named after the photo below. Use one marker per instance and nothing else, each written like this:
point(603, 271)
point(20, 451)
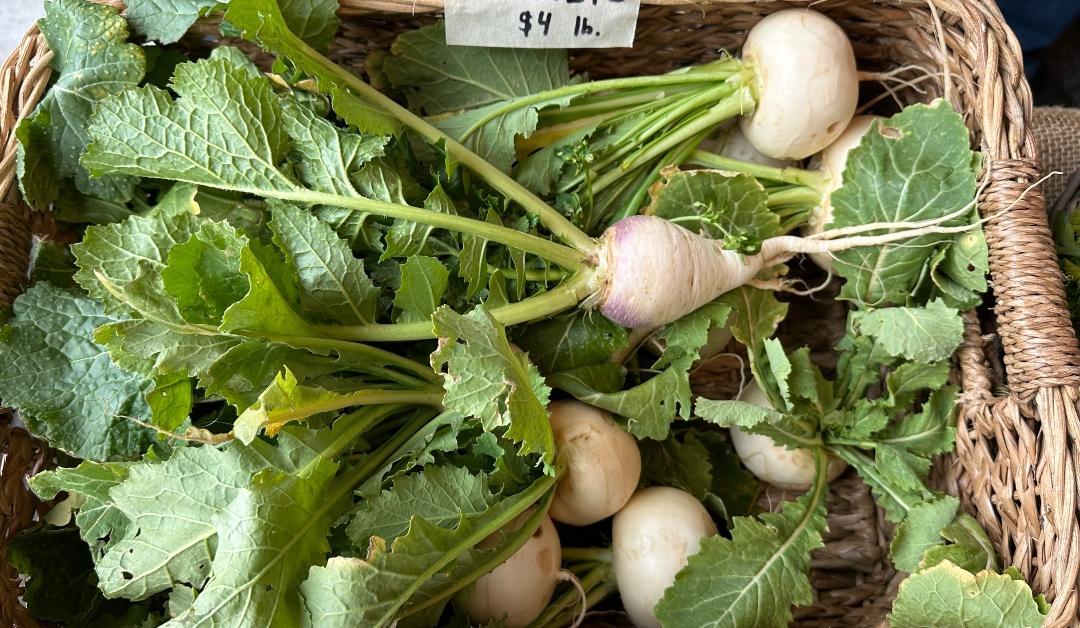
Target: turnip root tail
point(654, 272)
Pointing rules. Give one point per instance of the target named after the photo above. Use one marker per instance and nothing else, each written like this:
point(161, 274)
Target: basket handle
point(1033, 319)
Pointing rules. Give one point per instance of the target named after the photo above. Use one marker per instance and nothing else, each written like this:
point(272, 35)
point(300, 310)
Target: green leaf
point(271, 303)
point(169, 541)
point(730, 413)
point(541, 170)
point(920, 334)
point(570, 340)
point(203, 275)
point(780, 368)
point(243, 372)
point(703, 464)
point(756, 316)
point(269, 535)
point(489, 379)
point(175, 540)
point(684, 338)
point(896, 486)
point(229, 131)
point(479, 80)
point(968, 547)
point(915, 166)
point(91, 60)
point(336, 161)
point(440, 495)
point(649, 408)
point(423, 283)
point(920, 531)
point(128, 257)
point(101, 523)
point(283, 401)
point(764, 570)
point(170, 400)
point(63, 384)
point(148, 346)
point(929, 432)
point(495, 140)
point(715, 204)
point(167, 20)
point(946, 595)
point(406, 238)
point(906, 382)
point(333, 283)
point(472, 262)
point(467, 77)
point(224, 131)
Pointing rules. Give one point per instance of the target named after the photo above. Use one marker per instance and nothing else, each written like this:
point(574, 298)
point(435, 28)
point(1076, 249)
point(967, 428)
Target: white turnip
point(599, 464)
point(518, 590)
point(806, 86)
point(651, 538)
point(791, 469)
point(651, 272)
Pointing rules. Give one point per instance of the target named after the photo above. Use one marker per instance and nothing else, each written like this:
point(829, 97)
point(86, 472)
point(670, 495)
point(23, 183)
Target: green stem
point(795, 195)
point(540, 275)
point(675, 157)
point(430, 396)
point(605, 104)
point(358, 423)
point(576, 89)
point(866, 468)
point(552, 251)
point(521, 536)
point(311, 61)
point(740, 102)
point(683, 108)
point(595, 554)
point(377, 459)
point(558, 299)
point(358, 350)
point(797, 176)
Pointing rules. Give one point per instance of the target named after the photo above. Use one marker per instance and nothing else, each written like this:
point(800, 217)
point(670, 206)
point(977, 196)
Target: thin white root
point(891, 82)
point(788, 286)
point(713, 358)
point(893, 77)
point(568, 576)
point(843, 232)
point(785, 246)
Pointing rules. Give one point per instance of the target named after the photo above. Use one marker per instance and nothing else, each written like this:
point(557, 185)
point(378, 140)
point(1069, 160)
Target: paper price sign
point(541, 23)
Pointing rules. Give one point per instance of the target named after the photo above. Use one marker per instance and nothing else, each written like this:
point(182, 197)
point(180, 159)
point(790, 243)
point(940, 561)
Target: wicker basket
point(1020, 367)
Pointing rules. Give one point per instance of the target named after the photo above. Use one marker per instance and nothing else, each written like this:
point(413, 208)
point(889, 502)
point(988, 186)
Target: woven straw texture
point(1015, 468)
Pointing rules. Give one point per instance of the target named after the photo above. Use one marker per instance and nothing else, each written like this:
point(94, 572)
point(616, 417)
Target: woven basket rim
point(1040, 349)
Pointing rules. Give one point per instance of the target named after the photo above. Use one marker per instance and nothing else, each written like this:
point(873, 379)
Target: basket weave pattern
point(1015, 468)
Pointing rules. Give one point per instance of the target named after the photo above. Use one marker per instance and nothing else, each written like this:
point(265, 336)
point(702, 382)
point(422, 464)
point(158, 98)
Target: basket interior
point(909, 43)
